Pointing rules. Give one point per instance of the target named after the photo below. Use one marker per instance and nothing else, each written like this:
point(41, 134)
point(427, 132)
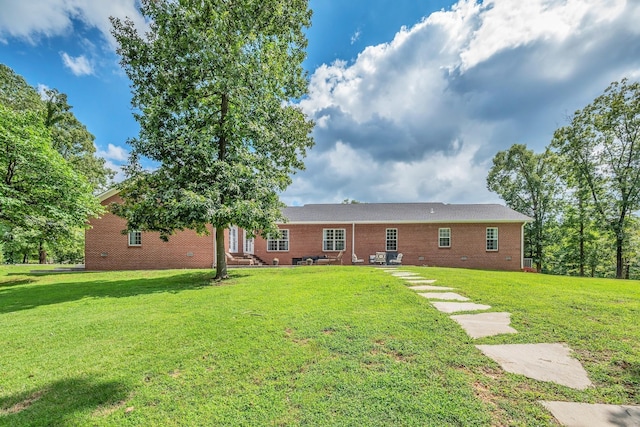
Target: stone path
point(429, 288)
point(454, 307)
point(485, 324)
point(543, 362)
point(416, 281)
point(450, 296)
point(572, 414)
point(550, 362)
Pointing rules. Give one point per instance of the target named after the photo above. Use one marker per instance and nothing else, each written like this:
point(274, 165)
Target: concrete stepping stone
point(485, 324)
point(543, 362)
point(451, 296)
point(572, 414)
point(454, 307)
point(429, 288)
point(404, 274)
point(416, 281)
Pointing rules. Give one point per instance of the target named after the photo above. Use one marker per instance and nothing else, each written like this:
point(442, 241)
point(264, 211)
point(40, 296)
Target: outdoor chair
point(231, 260)
point(381, 258)
point(355, 260)
point(328, 261)
point(397, 260)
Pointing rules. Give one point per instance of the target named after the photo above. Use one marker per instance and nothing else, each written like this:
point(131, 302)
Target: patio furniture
point(355, 260)
point(381, 258)
point(397, 260)
point(328, 261)
point(231, 260)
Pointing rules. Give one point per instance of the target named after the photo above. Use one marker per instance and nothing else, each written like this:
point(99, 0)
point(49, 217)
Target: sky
point(412, 99)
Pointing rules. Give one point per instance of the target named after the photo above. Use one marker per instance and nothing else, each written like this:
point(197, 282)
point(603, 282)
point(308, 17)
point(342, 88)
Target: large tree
point(213, 83)
point(42, 196)
point(527, 183)
point(73, 141)
point(602, 148)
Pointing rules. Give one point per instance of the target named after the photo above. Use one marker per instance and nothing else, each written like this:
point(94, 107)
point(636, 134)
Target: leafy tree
point(602, 148)
point(73, 141)
point(527, 183)
point(39, 191)
point(15, 92)
point(212, 83)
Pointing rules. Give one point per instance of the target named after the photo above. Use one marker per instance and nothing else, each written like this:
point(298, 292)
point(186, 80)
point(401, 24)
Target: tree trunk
point(42, 254)
point(221, 258)
point(581, 237)
point(619, 260)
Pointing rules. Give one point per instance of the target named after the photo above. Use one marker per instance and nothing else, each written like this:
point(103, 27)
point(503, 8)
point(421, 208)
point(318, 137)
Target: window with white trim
point(333, 239)
point(444, 237)
point(392, 239)
point(278, 243)
point(233, 239)
point(135, 238)
point(492, 238)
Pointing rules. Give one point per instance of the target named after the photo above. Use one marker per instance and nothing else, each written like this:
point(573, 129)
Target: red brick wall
point(107, 249)
point(417, 242)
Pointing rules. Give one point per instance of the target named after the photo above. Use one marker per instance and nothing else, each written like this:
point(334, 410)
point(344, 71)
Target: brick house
point(485, 236)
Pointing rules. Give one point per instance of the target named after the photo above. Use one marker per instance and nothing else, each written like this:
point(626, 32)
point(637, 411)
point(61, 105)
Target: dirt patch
point(22, 405)
point(106, 410)
point(175, 373)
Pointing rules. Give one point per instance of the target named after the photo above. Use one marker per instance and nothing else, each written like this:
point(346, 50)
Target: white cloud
point(420, 117)
point(33, 19)
point(356, 36)
point(119, 176)
point(114, 152)
point(42, 89)
point(80, 65)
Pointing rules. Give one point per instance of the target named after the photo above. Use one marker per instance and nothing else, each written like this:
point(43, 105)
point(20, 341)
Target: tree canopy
point(526, 182)
point(43, 197)
point(212, 85)
point(584, 190)
point(602, 149)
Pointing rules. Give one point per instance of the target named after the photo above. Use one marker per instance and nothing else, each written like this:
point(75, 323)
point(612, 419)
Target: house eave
point(392, 221)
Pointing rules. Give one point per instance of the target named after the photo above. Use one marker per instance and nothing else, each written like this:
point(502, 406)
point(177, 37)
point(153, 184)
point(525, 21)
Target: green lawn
point(297, 346)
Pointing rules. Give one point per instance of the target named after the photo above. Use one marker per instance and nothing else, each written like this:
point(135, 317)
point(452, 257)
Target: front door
point(233, 239)
point(248, 243)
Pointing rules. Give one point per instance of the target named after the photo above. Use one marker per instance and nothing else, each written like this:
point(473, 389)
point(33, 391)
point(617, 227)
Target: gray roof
point(401, 213)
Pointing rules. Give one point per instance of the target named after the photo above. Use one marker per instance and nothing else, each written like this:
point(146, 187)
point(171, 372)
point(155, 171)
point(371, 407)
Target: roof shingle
point(401, 212)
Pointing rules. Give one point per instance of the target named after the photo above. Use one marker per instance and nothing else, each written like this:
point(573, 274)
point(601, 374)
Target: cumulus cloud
point(33, 19)
point(114, 152)
point(80, 65)
point(115, 157)
point(420, 118)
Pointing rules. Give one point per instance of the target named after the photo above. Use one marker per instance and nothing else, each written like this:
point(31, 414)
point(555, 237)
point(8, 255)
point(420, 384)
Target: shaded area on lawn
point(59, 401)
point(32, 294)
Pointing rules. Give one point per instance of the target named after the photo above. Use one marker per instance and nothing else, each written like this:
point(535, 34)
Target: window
point(392, 239)
point(279, 243)
point(135, 238)
point(444, 237)
point(492, 238)
point(333, 239)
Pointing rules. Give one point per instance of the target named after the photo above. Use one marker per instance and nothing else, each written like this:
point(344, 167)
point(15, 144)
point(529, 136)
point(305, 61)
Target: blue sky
point(412, 99)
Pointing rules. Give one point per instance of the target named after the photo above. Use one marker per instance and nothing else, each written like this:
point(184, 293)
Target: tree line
point(582, 191)
point(48, 174)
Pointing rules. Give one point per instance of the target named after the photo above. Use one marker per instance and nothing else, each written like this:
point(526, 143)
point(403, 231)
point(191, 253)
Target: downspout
point(522, 246)
point(353, 241)
point(213, 242)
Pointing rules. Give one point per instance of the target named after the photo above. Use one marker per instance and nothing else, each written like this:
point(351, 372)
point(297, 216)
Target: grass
point(305, 346)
